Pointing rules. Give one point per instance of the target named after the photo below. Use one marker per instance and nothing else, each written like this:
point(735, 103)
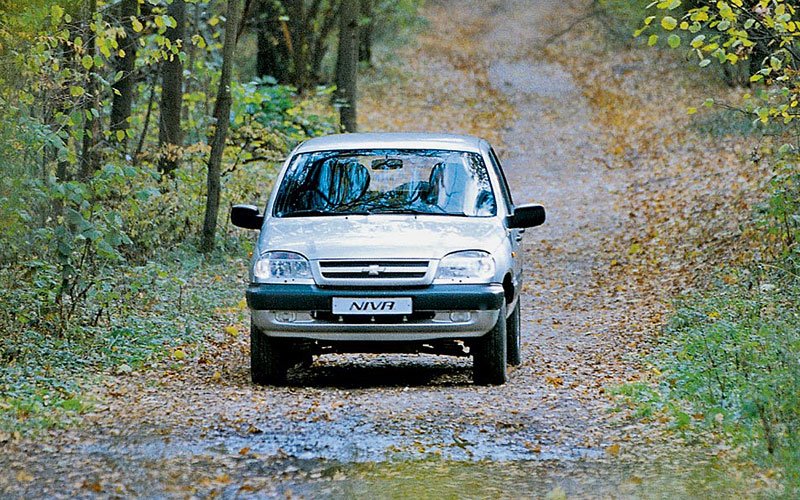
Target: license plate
point(371, 306)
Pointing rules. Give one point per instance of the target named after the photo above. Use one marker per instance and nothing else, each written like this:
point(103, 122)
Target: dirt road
point(393, 426)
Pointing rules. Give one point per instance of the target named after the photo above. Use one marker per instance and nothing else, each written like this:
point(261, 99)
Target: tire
point(513, 338)
point(489, 359)
point(267, 359)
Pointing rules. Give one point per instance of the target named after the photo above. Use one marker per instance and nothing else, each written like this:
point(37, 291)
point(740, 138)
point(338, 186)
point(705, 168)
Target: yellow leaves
point(136, 25)
point(178, 355)
point(669, 23)
point(231, 330)
point(613, 450)
point(634, 249)
point(216, 377)
point(691, 110)
point(554, 381)
point(199, 41)
point(714, 315)
point(24, 477)
point(699, 16)
point(730, 279)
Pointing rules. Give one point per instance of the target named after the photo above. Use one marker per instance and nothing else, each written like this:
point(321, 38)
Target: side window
point(503, 182)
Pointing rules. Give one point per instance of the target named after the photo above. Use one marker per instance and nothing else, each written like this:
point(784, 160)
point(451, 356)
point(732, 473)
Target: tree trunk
point(347, 64)
point(329, 21)
point(222, 109)
point(267, 50)
point(365, 33)
point(298, 42)
point(123, 88)
point(170, 135)
point(91, 125)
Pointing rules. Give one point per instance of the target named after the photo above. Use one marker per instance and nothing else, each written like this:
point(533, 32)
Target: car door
point(514, 235)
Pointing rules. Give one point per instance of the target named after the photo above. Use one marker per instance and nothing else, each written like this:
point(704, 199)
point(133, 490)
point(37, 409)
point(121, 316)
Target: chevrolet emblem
point(374, 270)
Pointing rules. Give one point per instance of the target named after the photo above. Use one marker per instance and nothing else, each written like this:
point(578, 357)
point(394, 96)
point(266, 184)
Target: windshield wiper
point(400, 210)
point(316, 212)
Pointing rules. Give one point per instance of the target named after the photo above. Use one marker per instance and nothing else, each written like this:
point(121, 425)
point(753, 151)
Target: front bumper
point(440, 312)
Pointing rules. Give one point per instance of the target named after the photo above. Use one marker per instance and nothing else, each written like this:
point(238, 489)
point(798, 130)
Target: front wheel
point(514, 341)
point(268, 364)
point(489, 359)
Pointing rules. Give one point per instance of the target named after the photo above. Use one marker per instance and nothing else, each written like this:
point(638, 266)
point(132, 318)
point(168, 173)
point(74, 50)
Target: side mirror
point(526, 216)
point(246, 216)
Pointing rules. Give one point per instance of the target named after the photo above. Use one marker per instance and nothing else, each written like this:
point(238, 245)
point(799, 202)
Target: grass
point(45, 378)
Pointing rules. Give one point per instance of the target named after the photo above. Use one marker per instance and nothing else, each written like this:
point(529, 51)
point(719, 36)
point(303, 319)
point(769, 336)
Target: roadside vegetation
point(115, 250)
point(726, 367)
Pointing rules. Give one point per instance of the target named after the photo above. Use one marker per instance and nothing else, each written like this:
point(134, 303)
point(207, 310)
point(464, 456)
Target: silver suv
point(387, 243)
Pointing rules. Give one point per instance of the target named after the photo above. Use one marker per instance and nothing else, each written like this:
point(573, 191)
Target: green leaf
point(652, 40)
point(705, 62)
point(697, 41)
point(76, 91)
point(87, 61)
point(756, 78)
point(668, 23)
point(136, 25)
point(691, 111)
point(56, 13)
point(674, 41)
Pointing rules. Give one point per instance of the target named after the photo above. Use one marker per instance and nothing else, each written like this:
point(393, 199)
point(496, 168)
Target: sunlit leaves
point(733, 31)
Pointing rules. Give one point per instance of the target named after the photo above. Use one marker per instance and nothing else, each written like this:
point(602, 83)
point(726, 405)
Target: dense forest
point(129, 128)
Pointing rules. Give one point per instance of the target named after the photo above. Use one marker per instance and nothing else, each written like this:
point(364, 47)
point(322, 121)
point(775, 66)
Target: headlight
point(471, 266)
point(281, 267)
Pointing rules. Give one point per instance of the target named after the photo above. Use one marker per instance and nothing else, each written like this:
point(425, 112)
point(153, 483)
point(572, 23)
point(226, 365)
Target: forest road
point(205, 429)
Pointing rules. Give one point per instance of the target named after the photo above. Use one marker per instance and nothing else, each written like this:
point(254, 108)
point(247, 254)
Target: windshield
point(381, 181)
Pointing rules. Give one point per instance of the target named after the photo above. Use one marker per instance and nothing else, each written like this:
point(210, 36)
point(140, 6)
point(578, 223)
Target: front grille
point(382, 319)
point(373, 269)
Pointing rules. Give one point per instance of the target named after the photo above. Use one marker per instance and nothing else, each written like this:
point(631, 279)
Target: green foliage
point(161, 306)
point(87, 283)
point(621, 17)
point(730, 357)
point(272, 119)
point(761, 33)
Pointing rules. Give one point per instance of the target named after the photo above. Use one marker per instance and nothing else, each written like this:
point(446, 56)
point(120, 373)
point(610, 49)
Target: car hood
point(381, 236)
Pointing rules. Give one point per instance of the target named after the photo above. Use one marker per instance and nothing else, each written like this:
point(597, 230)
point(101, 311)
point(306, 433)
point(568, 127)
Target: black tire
point(489, 358)
point(267, 359)
point(513, 338)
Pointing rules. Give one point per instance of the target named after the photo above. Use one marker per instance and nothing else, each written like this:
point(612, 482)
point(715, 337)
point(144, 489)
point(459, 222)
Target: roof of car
point(393, 140)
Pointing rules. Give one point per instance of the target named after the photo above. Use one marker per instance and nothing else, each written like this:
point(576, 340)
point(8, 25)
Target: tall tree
point(222, 109)
point(272, 55)
point(365, 33)
point(170, 135)
point(91, 125)
point(298, 41)
point(125, 65)
point(347, 64)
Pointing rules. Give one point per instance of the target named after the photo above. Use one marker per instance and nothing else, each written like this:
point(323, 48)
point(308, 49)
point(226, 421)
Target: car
point(387, 242)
